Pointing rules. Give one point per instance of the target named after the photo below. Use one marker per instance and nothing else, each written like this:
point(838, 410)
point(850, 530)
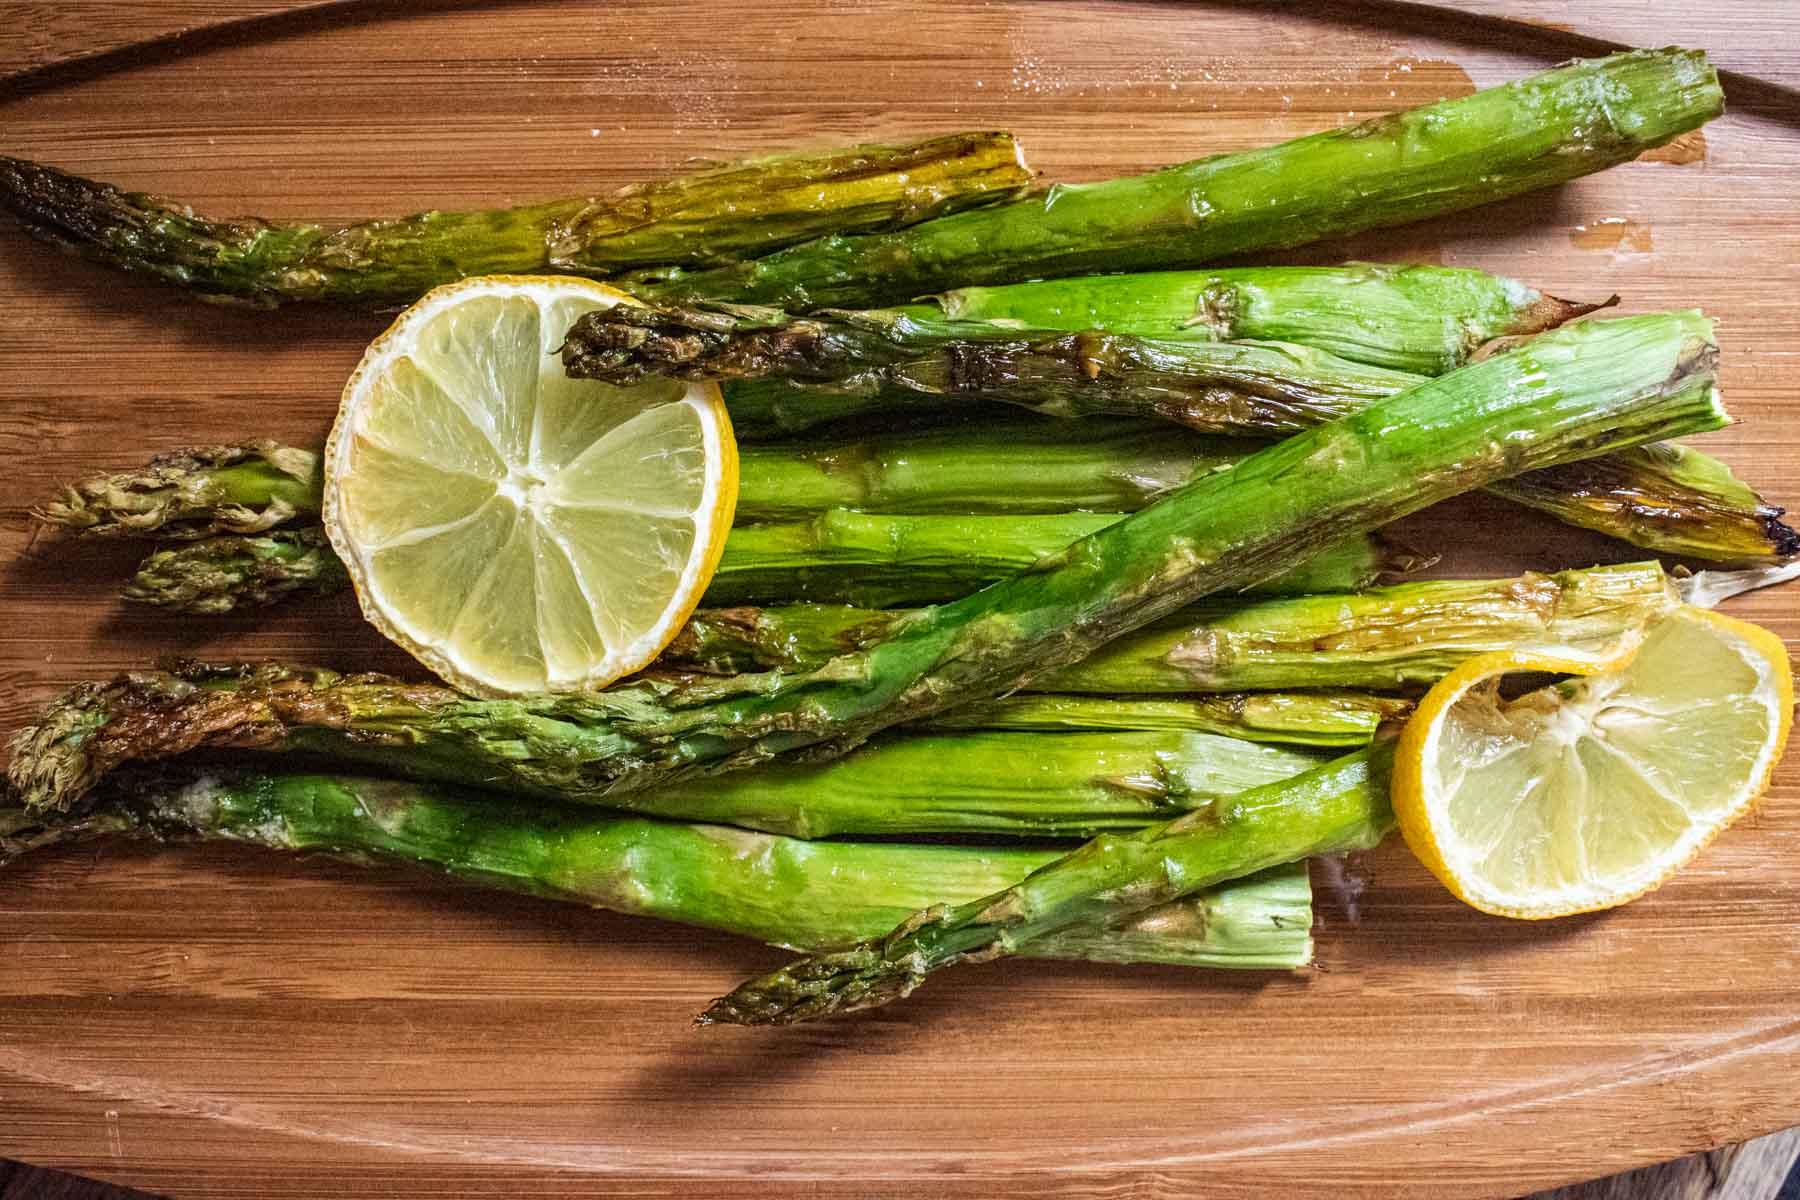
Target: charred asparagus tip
point(51, 760)
point(812, 988)
point(23, 832)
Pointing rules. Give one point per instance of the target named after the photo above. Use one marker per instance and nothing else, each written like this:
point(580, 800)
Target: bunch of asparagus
point(1148, 615)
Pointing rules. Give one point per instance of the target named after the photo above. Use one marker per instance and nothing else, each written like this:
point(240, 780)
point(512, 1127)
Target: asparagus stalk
point(1004, 467)
point(1393, 637)
point(1000, 783)
point(1383, 638)
point(1325, 718)
point(716, 216)
point(1674, 501)
point(802, 895)
point(840, 556)
point(879, 561)
point(1571, 393)
point(1260, 389)
point(1536, 132)
point(1665, 497)
point(1421, 319)
point(1342, 805)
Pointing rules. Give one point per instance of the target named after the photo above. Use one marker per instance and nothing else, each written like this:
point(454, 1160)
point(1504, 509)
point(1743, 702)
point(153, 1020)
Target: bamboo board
point(210, 1024)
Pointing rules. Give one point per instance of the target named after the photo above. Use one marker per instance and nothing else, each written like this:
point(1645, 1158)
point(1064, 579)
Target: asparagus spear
point(1342, 805)
point(850, 557)
point(194, 493)
point(1260, 389)
point(1033, 784)
point(1571, 393)
point(1421, 319)
point(802, 895)
point(1009, 466)
point(1673, 501)
point(1392, 637)
point(234, 571)
point(1665, 496)
point(1406, 166)
point(1324, 718)
point(716, 216)
point(879, 561)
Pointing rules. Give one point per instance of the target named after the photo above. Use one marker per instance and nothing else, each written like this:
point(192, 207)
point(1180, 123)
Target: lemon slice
point(516, 530)
point(1590, 792)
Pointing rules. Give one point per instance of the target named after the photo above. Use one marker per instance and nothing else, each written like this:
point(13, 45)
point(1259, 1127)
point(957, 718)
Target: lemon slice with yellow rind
point(516, 530)
point(1590, 792)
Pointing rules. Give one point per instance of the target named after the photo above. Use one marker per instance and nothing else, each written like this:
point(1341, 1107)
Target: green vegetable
point(804, 895)
point(1675, 501)
point(1571, 393)
point(193, 493)
point(232, 571)
point(1323, 718)
point(1383, 638)
point(1421, 319)
point(1029, 784)
point(1446, 157)
point(1259, 389)
point(852, 557)
point(1341, 805)
point(718, 216)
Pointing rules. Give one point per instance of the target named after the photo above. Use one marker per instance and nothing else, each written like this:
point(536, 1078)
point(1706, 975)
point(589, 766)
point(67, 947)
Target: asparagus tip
point(52, 763)
point(824, 985)
point(176, 495)
point(23, 831)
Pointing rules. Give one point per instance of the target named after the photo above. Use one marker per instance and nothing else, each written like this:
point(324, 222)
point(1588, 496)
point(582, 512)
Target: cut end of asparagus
point(190, 493)
point(825, 985)
point(1706, 589)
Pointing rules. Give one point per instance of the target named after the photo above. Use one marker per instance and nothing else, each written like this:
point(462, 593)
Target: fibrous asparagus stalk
point(1406, 166)
point(1339, 806)
point(1004, 466)
point(717, 216)
point(1673, 501)
point(838, 556)
point(1422, 319)
point(1392, 637)
point(802, 895)
point(879, 561)
point(1568, 394)
point(1260, 389)
point(1031, 784)
point(1323, 718)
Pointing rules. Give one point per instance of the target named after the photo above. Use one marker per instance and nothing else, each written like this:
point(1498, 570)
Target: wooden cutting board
point(212, 1023)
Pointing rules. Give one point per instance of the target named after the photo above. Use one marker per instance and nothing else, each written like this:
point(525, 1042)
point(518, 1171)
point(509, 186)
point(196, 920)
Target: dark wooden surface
point(208, 1023)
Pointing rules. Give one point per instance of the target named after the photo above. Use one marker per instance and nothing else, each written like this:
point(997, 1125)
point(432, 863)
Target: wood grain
point(208, 1023)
